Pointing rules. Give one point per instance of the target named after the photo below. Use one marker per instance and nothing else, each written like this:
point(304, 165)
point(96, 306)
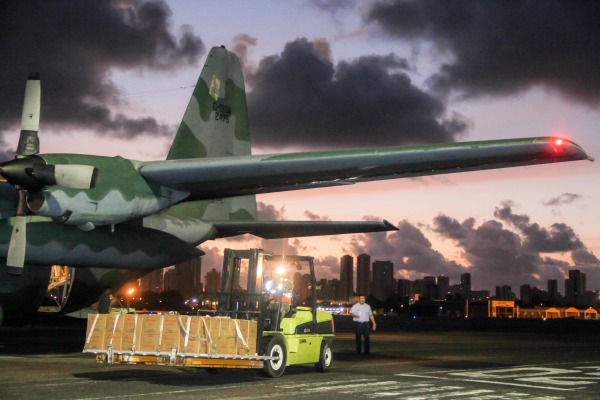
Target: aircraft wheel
point(326, 357)
point(275, 347)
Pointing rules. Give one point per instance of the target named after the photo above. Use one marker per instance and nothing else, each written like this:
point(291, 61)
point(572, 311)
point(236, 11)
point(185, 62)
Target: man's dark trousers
point(362, 329)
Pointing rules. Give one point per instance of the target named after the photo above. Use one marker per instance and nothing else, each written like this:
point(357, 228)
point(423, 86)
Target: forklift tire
point(326, 358)
point(275, 347)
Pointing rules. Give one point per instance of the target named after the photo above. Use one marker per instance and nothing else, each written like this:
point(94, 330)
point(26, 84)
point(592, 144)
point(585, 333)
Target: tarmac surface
point(425, 359)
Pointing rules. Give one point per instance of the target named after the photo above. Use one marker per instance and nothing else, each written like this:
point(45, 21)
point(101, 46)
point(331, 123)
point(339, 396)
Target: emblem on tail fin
point(215, 85)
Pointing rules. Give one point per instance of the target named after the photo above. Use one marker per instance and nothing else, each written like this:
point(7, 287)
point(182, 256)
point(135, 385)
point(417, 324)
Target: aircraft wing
point(287, 229)
point(218, 177)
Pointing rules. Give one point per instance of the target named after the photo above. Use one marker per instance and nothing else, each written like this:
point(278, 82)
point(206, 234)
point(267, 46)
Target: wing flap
point(243, 175)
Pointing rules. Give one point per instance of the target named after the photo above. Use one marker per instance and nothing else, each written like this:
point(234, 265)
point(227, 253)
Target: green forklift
point(269, 325)
point(291, 330)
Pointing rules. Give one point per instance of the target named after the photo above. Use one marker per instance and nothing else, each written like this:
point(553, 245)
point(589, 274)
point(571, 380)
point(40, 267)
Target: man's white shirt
point(362, 310)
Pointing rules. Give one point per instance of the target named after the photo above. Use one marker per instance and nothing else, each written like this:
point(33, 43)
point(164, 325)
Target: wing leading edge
point(243, 175)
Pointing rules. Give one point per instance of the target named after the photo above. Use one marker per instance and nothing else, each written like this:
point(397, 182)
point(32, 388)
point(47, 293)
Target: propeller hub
point(17, 172)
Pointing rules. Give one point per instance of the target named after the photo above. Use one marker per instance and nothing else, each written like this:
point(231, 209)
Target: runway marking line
point(350, 387)
point(488, 382)
point(576, 376)
point(159, 393)
point(327, 383)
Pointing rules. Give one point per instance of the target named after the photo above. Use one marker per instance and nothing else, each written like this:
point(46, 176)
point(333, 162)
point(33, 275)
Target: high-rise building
point(553, 288)
point(405, 288)
point(346, 277)
point(153, 281)
point(323, 291)
point(383, 280)
point(169, 279)
point(428, 289)
point(575, 287)
point(442, 288)
point(363, 274)
point(526, 294)
point(213, 281)
point(504, 292)
point(334, 287)
point(188, 277)
point(465, 283)
point(455, 291)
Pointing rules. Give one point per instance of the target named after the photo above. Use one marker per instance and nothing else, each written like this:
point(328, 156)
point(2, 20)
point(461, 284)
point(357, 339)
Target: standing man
point(361, 315)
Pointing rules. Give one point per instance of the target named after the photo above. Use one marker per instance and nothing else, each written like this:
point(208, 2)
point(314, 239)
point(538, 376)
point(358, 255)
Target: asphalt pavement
point(410, 359)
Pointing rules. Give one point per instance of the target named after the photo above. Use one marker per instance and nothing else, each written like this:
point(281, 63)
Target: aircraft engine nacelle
point(120, 194)
point(86, 212)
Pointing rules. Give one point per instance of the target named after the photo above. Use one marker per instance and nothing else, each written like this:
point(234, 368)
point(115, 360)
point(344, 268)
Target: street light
point(130, 293)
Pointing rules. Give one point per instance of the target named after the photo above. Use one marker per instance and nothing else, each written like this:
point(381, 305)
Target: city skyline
point(575, 288)
point(382, 284)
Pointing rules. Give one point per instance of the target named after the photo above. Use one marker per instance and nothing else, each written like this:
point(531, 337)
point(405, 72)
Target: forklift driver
point(287, 301)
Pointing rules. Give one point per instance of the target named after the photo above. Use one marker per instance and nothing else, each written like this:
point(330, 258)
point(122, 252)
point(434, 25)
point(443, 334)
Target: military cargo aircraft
point(115, 219)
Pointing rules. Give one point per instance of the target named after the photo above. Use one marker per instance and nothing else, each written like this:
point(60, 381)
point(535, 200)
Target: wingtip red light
point(558, 142)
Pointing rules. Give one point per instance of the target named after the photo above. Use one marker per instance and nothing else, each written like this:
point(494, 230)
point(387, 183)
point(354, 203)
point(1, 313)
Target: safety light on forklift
point(268, 285)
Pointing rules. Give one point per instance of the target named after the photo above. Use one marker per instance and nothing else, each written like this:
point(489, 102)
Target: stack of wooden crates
point(161, 333)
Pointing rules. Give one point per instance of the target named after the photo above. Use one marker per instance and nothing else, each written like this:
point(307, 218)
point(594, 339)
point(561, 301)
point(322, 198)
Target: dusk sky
point(117, 76)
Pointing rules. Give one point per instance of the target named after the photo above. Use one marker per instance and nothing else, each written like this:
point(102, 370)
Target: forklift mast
point(248, 304)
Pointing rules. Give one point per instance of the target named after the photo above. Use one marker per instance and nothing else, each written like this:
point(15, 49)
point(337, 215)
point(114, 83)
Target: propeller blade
point(18, 240)
point(14, 171)
point(16, 248)
point(30, 120)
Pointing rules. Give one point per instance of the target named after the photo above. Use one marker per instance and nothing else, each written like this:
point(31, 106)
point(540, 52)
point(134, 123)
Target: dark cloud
point(504, 47)
point(498, 255)
point(241, 45)
point(315, 217)
point(584, 257)
point(211, 259)
point(565, 198)
point(408, 249)
point(301, 99)
point(327, 267)
point(268, 212)
point(495, 253)
point(451, 228)
point(75, 45)
point(558, 238)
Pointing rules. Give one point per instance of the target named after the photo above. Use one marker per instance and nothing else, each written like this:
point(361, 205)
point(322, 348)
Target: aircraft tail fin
point(215, 124)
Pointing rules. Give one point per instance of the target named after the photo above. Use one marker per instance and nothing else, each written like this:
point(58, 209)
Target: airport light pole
point(130, 292)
